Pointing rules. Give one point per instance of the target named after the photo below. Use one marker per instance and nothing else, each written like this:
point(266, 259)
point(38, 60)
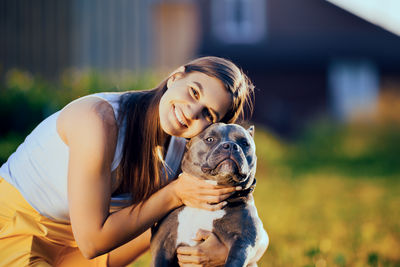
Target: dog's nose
point(229, 145)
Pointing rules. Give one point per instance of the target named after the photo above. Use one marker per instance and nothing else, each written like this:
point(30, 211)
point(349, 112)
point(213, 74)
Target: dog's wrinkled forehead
point(226, 132)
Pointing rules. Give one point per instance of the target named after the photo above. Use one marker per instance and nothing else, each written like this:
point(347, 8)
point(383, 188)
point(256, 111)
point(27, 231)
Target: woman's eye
point(209, 139)
point(208, 115)
point(194, 93)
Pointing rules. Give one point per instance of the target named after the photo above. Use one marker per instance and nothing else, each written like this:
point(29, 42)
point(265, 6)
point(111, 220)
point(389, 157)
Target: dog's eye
point(245, 143)
point(210, 139)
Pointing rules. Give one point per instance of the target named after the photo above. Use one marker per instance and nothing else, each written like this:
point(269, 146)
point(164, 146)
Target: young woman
point(57, 189)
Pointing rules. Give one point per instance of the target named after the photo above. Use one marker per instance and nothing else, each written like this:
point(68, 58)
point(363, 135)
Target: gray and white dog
point(223, 154)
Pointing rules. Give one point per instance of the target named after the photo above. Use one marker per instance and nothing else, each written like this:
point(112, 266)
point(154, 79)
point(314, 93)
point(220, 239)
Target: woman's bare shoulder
point(89, 114)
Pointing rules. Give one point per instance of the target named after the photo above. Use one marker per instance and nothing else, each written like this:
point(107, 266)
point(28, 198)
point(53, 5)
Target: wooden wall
point(48, 36)
point(35, 35)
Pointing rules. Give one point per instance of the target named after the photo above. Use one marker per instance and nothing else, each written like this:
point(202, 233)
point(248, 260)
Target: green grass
point(323, 219)
point(325, 213)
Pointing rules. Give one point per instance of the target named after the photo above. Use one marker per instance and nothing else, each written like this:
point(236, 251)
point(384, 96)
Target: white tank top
point(39, 166)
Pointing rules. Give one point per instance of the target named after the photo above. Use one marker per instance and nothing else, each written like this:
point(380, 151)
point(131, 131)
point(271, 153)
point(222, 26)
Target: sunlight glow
point(384, 13)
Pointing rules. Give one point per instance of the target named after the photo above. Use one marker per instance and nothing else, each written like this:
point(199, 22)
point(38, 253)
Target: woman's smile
point(180, 117)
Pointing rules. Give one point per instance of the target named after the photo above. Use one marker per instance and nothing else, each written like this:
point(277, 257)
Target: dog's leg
point(239, 254)
point(164, 252)
point(161, 259)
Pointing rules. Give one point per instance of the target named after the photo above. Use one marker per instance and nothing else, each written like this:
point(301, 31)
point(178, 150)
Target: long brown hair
point(142, 165)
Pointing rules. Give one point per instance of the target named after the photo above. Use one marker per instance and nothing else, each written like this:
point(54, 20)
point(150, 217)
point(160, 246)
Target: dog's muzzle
point(227, 159)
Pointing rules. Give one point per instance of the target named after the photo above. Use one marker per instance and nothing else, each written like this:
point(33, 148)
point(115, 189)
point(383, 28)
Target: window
point(354, 88)
point(238, 21)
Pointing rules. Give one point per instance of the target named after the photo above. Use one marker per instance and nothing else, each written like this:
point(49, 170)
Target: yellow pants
point(30, 239)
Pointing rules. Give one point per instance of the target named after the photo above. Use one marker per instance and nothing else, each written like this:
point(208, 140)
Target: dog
point(222, 154)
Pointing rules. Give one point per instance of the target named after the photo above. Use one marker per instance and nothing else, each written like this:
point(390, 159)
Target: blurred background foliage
point(329, 197)
point(357, 148)
point(25, 100)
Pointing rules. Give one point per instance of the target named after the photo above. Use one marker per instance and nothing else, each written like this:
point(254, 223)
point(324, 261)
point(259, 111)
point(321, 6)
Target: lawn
point(329, 220)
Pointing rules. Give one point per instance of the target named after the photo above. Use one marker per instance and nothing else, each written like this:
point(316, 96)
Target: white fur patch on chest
point(190, 220)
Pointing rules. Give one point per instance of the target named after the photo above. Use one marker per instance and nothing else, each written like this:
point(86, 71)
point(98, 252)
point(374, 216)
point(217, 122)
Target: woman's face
point(191, 103)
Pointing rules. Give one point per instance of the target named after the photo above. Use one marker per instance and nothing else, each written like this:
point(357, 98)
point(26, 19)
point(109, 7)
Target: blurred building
point(48, 36)
point(306, 58)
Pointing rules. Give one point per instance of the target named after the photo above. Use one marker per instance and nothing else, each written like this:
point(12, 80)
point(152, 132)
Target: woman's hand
point(210, 252)
point(197, 193)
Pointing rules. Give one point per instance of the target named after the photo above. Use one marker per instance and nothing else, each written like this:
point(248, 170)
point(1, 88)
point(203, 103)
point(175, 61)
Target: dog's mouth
point(228, 167)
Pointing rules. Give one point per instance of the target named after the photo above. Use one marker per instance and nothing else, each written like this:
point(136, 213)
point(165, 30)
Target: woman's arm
point(130, 251)
point(89, 129)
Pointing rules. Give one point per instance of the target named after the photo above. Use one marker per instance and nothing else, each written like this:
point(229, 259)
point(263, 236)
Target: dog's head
point(224, 153)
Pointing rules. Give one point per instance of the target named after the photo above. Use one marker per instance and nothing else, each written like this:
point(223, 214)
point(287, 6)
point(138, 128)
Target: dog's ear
point(251, 130)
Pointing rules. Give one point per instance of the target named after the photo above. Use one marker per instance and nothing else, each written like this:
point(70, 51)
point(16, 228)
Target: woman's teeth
point(180, 119)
